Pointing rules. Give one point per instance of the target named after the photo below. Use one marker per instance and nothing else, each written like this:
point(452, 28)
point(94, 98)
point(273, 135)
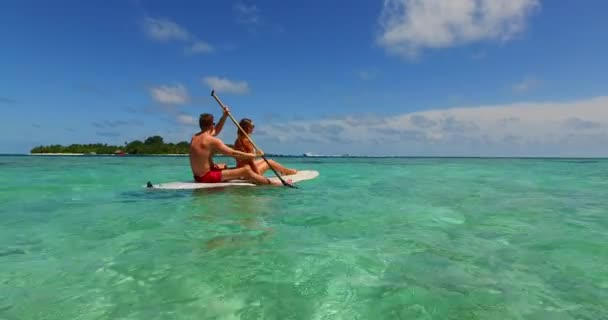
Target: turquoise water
point(368, 239)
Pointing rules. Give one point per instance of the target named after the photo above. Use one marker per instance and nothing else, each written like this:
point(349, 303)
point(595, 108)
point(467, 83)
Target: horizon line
point(316, 156)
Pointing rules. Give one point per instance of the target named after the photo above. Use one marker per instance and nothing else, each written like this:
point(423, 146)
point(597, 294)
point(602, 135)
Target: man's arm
point(224, 149)
point(220, 124)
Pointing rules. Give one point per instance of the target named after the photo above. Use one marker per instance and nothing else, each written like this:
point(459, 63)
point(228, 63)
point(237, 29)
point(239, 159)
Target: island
point(154, 145)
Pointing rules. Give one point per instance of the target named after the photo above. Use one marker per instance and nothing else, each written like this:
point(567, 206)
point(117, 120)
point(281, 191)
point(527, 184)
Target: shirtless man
point(204, 145)
point(243, 144)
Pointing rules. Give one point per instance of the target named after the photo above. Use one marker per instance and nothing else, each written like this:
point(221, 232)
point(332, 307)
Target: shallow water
point(80, 238)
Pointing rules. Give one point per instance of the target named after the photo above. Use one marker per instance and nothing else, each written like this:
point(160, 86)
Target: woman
point(244, 145)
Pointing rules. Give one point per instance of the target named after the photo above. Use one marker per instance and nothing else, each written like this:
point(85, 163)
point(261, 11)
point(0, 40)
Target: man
point(205, 144)
point(243, 144)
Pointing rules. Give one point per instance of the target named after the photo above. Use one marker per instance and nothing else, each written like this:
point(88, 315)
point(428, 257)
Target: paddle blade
point(293, 186)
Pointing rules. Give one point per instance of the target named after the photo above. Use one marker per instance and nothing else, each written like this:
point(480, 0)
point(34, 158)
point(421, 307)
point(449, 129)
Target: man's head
point(205, 121)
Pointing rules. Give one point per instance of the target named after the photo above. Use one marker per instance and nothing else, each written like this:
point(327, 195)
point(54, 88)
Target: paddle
point(247, 136)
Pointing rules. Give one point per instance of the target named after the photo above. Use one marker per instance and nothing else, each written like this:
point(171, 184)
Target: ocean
point(391, 238)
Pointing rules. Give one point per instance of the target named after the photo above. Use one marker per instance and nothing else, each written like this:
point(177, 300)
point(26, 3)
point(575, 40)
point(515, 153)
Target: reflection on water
point(232, 219)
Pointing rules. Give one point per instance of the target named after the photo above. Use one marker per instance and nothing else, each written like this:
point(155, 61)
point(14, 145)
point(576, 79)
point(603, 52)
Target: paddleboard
point(185, 185)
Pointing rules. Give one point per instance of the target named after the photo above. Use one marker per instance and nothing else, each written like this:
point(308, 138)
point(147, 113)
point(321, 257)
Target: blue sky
point(398, 77)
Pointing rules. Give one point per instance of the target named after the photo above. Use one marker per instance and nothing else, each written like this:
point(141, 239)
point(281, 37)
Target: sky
point(393, 77)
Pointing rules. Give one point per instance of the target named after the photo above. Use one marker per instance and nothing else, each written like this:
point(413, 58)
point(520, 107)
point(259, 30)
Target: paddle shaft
point(247, 136)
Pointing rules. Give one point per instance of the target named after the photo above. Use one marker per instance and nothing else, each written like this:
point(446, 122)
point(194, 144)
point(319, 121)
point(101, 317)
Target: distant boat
point(310, 154)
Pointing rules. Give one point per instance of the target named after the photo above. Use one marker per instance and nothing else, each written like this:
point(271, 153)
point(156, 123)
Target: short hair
point(205, 121)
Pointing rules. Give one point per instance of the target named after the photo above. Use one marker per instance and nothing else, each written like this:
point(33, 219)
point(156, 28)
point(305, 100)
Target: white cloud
point(170, 95)
point(165, 30)
point(409, 26)
point(186, 120)
point(225, 85)
point(577, 128)
point(199, 47)
point(247, 14)
point(527, 84)
point(161, 29)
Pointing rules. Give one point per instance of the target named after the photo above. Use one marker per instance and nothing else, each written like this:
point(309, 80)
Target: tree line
point(152, 145)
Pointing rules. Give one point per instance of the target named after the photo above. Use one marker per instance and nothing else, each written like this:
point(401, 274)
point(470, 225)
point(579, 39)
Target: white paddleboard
point(184, 185)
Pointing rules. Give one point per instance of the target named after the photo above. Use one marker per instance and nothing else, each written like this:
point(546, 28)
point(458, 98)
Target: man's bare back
point(201, 153)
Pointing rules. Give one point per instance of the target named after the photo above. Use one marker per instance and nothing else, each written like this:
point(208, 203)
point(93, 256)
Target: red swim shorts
point(213, 176)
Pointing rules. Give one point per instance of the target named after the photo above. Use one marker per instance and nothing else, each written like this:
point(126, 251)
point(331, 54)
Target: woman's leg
point(263, 167)
point(247, 173)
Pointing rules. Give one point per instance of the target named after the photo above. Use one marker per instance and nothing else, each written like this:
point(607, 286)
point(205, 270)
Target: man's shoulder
point(197, 136)
point(211, 140)
point(203, 139)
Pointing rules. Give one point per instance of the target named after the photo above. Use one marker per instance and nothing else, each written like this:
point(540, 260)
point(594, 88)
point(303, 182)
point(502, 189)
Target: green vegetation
point(152, 145)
